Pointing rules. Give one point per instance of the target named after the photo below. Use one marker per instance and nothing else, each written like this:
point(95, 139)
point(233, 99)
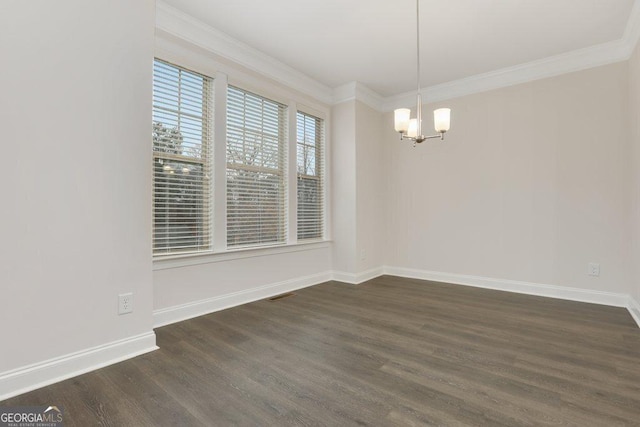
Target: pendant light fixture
point(409, 128)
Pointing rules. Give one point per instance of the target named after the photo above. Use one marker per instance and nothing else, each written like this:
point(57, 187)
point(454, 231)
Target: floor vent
point(277, 297)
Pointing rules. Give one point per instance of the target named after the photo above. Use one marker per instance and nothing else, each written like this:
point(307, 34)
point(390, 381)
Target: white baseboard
point(22, 380)
point(166, 316)
point(552, 291)
point(634, 309)
point(27, 378)
point(178, 313)
point(357, 278)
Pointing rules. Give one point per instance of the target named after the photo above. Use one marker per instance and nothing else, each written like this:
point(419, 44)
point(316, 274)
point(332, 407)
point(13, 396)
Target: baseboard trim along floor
point(190, 310)
point(552, 291)
point(529, 288)
point(34, 376)
point(178, 313)
point(22, 380)
point(634, 308)
point(394, 351)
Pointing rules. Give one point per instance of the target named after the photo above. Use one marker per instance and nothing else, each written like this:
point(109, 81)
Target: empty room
point(321, 212)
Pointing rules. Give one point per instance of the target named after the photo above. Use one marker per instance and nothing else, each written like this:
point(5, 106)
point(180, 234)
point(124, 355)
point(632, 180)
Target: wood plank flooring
point(391, 351)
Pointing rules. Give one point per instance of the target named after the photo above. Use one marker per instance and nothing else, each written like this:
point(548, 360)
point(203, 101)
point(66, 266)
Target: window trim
point(224, 74)
point(199, 258)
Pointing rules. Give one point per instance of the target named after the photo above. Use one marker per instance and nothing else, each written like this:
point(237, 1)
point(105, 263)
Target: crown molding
point(183, 26)
point(632, 32)
point(358, 91)
point(177, 23)
point(577, 60)
point(344, 93)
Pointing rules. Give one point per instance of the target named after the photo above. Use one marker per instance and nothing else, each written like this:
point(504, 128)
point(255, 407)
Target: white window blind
point(310, 161)
point(256, 135)
point(181, 160)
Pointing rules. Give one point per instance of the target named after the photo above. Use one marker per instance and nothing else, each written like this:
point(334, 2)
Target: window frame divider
point(292, 175)
point(219, 228)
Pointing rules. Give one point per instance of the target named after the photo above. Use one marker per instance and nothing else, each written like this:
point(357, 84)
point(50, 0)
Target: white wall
point(531, 184)
point(371, 175)
point(359, 175)
point(75, 106)
point(343, 167)
point(634, 122)
point(183, 285)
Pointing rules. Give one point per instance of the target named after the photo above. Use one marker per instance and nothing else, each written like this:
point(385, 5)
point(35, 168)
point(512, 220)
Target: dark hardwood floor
point(388, 352)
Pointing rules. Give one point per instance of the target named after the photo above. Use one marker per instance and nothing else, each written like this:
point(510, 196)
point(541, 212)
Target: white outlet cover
point(125, 303)
point(594, 269)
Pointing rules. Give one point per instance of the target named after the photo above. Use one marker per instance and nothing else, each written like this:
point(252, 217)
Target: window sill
point(176, 261)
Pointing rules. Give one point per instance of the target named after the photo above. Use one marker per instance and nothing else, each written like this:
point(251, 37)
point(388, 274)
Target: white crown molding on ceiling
point(179, 24)
point(577, 60)
point(632, 32)
point(357, 91)
point(186, 27)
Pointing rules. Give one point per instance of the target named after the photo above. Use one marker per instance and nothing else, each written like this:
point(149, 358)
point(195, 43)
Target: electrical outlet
point(363, 254)
point(594, 269)
point(125, 303)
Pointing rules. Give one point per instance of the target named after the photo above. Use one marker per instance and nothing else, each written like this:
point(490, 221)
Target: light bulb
point(402, 116)
point(442, 119)
point(412, 131)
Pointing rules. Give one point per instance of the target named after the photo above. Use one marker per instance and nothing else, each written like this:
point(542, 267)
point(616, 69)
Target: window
point(254, 167)
point(310, 141)
point(256, 135)
point(181, 160)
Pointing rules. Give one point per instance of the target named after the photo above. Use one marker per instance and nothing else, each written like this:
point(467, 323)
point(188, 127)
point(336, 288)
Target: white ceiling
point(373, 41)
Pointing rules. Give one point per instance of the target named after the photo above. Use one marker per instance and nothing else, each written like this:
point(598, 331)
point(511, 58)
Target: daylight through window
point(259, 196)
point(310, 142)
point(256, 134)
point(181, 160)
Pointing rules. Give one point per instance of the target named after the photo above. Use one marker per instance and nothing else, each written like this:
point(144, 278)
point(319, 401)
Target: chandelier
point(409, 128)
